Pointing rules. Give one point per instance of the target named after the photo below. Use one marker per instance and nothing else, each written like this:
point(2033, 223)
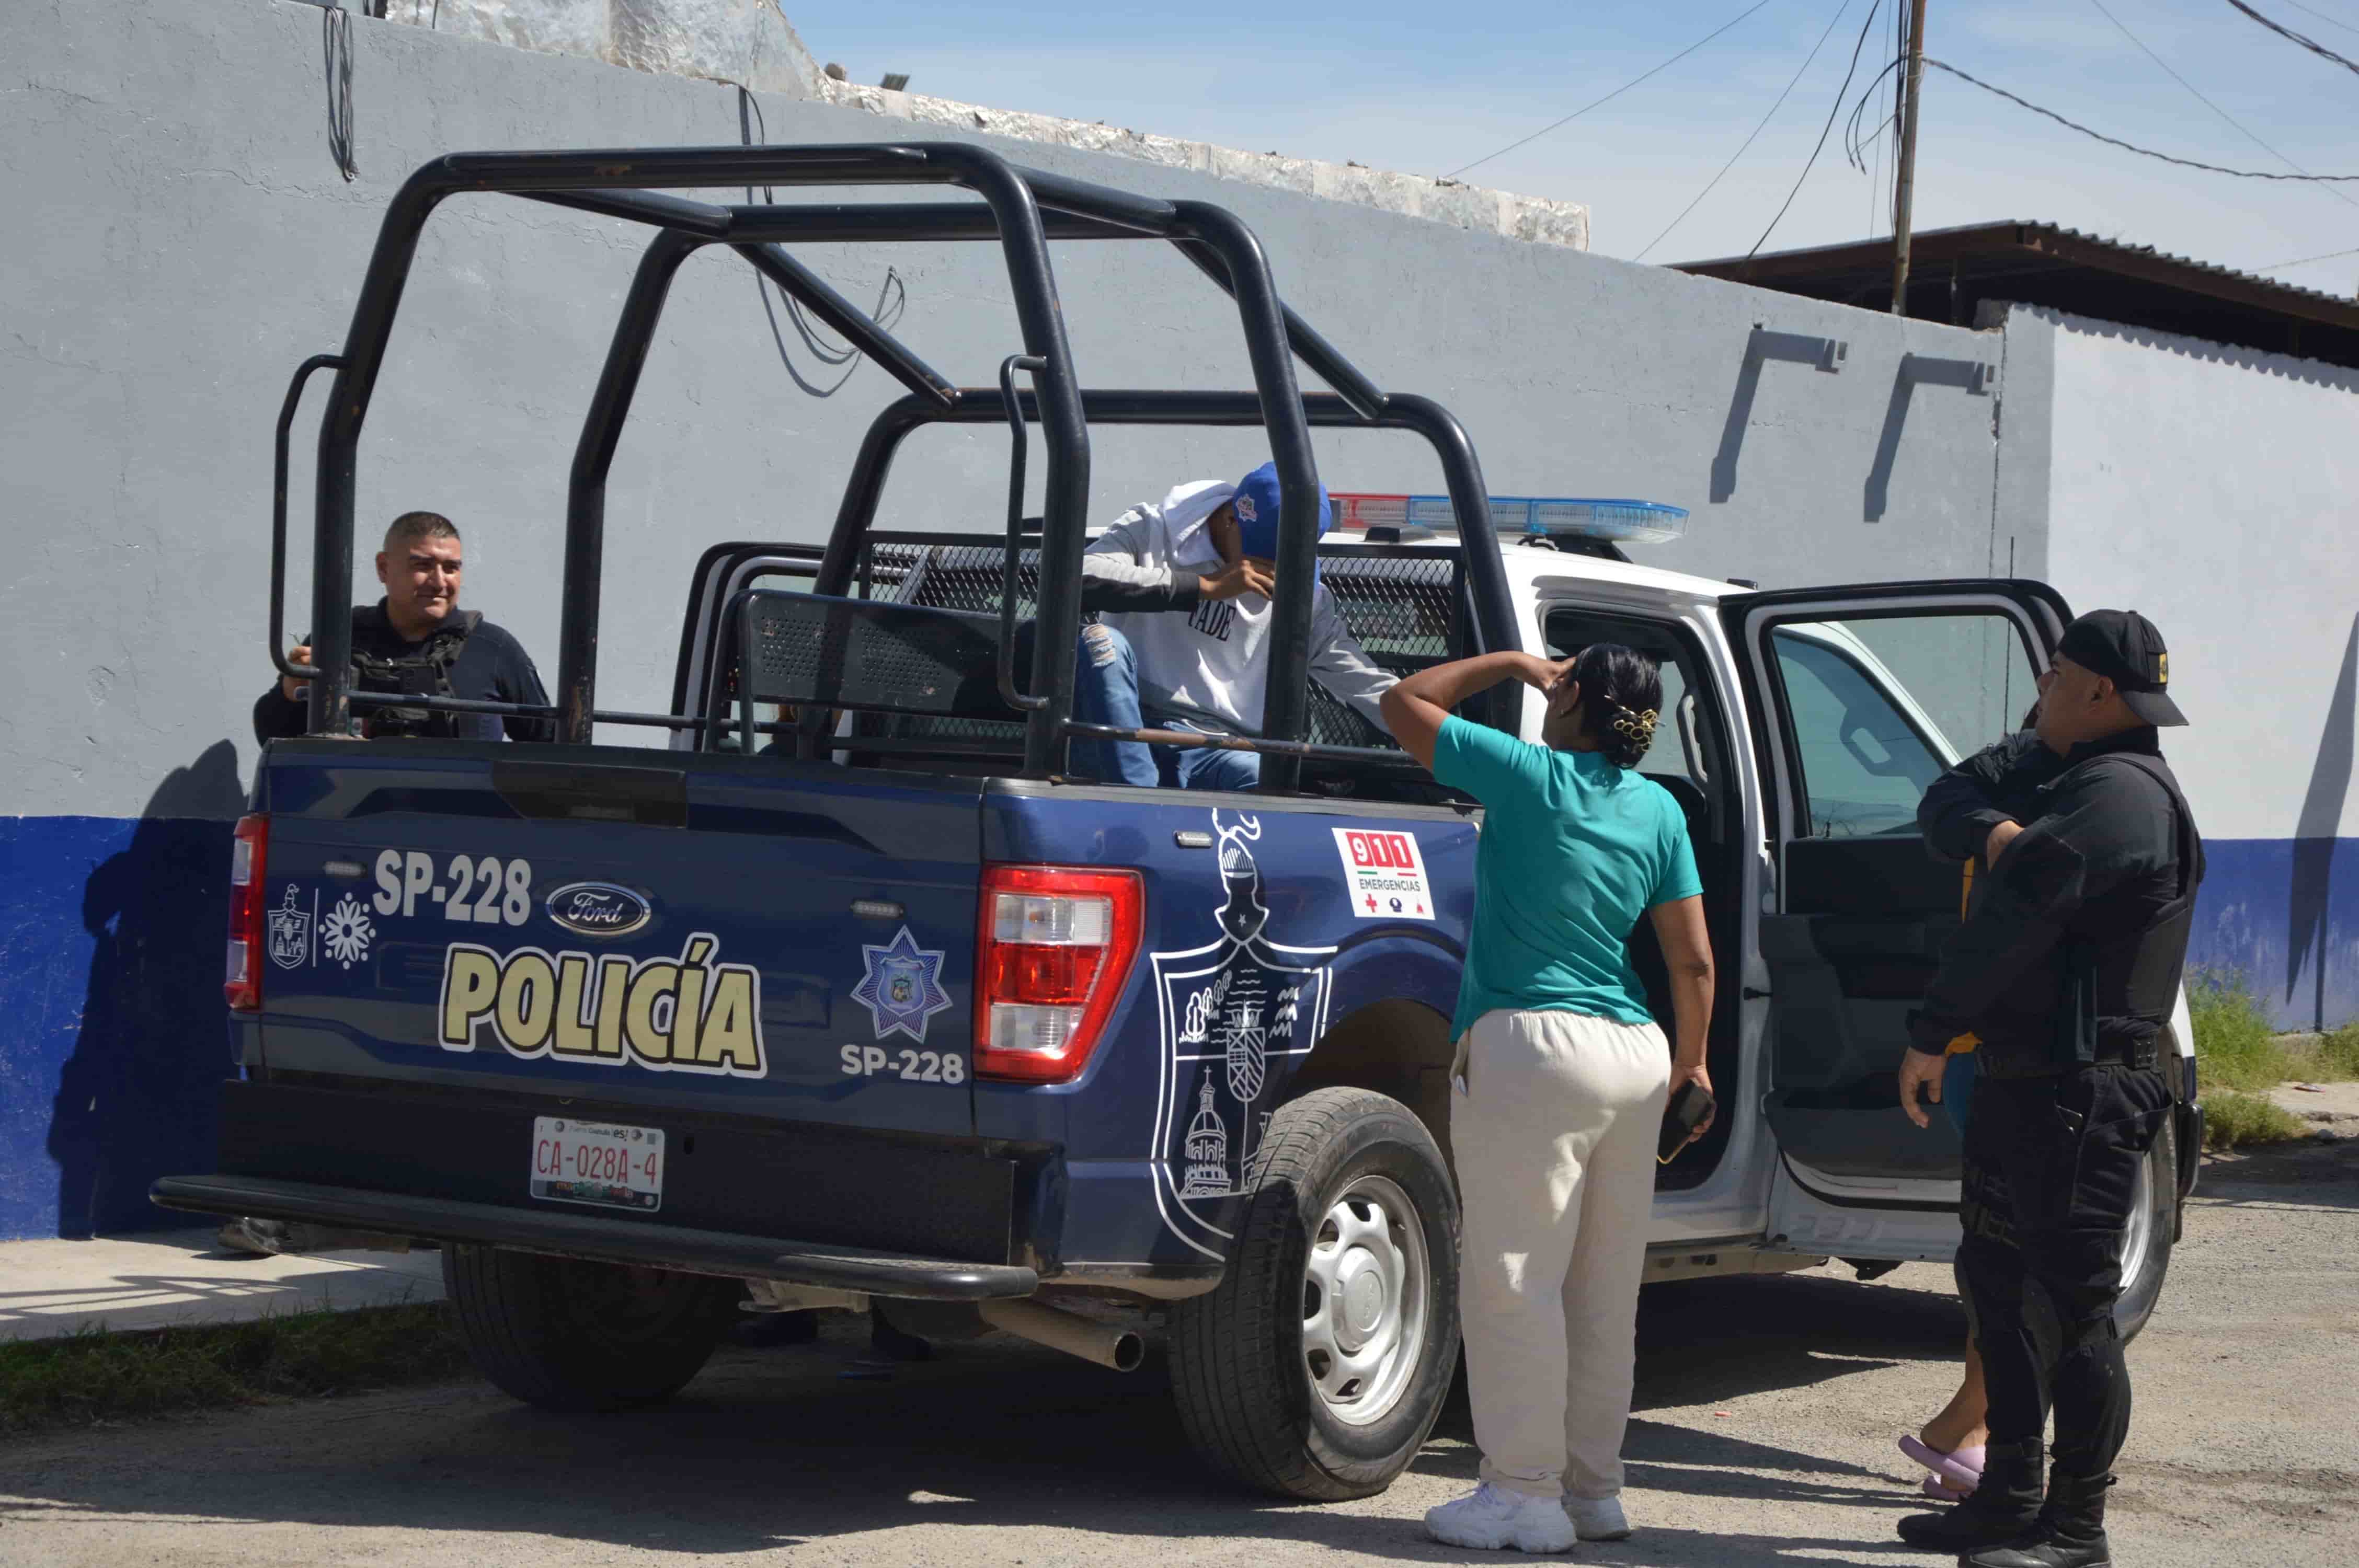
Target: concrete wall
point(2212, 490)
point(178, 239)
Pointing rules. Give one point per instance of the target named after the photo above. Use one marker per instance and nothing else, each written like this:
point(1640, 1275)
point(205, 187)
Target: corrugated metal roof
point(1953, 271)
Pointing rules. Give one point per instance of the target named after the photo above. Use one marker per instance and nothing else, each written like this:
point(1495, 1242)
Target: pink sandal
point(1955, 1474)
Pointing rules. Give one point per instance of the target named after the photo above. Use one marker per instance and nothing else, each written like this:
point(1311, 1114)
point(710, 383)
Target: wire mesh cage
point(1403, 606)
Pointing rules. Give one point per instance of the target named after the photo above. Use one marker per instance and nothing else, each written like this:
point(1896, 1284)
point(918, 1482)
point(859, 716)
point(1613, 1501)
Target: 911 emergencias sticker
point(1384, 874)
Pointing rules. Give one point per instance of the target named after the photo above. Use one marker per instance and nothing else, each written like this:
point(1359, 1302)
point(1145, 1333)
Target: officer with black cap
point(2064, 973)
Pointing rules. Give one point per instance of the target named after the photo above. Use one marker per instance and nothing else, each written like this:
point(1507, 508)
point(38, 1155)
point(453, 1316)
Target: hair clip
point(1637, 726)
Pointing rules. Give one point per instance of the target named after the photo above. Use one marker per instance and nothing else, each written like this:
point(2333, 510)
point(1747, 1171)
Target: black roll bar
point(1486, 571)
point(1022, 209)
point(279, 516)
point(1004, 659)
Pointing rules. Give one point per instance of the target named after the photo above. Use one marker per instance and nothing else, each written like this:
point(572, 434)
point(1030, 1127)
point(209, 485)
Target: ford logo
point(598, 909)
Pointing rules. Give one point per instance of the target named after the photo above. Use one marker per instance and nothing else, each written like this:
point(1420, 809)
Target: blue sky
point(1430, 87)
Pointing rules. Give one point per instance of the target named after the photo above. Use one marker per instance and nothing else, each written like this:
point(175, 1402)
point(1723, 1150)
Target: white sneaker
point(1492, 1517)
point(1597, 1519)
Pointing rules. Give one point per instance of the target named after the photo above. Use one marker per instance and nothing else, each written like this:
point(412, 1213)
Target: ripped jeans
point(1106, 691)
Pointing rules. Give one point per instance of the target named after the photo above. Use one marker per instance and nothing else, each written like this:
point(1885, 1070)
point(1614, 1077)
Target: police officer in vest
point(417, 640)
point(2063, 976)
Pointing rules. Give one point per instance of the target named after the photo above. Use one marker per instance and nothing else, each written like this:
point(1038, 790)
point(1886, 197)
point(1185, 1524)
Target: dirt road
point(1766, 1410)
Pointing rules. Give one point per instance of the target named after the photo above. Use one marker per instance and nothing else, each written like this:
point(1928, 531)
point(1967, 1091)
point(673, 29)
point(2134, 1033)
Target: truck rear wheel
point(567, 1335)
point(1318, 1367)
point(2154, 1225)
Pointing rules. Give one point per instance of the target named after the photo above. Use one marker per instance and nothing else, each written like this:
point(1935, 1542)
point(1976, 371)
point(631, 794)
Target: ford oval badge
point(598, 909)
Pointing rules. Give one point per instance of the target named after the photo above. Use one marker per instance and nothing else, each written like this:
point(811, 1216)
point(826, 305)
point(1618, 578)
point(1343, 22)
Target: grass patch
point(2232, 1119)
point(2235, 1048)
point(93, 1376)
point(2337, 1057)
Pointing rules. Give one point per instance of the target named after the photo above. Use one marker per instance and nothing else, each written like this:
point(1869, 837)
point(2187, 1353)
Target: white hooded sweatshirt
point(1211, 654)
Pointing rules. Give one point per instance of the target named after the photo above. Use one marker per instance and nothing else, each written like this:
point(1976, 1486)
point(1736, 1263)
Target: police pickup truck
point(851, 996)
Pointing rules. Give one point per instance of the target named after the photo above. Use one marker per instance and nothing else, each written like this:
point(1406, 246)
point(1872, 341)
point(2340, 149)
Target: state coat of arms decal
point(1231, 1012)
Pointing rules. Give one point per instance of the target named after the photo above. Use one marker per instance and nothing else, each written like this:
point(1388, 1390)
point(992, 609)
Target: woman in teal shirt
point(1561, 1075)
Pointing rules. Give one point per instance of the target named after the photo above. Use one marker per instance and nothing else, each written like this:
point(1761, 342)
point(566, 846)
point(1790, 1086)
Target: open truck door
point(1861, 698)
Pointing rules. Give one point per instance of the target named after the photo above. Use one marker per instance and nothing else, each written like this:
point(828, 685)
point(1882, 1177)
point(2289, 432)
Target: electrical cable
point(1874, 6)
point(1856, 139)
point(2313, 45)
point(2323, 16)
point(2133, 148)
point(1832, 109)
point(2305, 261)
point(2198, 97)
point(749, 118)
point(336, 53)
point(1609, 98)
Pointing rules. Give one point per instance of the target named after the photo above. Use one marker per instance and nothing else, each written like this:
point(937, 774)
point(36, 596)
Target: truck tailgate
point(720, 934)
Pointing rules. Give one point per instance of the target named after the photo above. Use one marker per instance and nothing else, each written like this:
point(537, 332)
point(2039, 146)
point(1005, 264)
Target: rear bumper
point(883, 1213)
point(598, 1238)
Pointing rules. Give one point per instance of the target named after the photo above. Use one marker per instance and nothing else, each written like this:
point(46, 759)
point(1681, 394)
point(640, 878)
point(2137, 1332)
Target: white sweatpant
point(1554, 1139)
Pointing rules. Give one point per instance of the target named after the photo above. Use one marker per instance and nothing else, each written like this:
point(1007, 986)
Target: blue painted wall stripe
point(110, 976)
point(2283, 915)
point(111, 964)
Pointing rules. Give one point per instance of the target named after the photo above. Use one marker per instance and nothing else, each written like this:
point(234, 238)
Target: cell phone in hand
point(1687, 1111)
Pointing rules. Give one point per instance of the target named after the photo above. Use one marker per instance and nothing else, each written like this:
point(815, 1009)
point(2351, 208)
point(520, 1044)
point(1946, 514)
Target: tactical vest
point(424, 672)
point(2120, 991)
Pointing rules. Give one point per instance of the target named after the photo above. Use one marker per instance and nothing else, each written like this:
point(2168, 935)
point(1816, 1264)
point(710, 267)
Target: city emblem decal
point(290, 933)
point(903, 987)
point(1230, 1012)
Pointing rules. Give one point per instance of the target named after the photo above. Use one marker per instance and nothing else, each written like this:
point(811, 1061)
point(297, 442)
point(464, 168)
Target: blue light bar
point(1588, 517)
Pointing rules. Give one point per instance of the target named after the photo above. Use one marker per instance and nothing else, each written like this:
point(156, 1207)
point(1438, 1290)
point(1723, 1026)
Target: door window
point(1879, 706)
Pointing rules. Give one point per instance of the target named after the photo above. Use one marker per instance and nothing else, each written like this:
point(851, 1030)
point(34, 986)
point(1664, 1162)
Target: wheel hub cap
point(1365, 1291)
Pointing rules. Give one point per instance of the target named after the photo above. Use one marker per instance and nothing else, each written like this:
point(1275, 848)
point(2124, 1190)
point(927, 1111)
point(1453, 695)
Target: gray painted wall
point(179, 239)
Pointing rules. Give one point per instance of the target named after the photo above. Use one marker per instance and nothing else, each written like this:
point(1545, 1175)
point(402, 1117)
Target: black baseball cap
point(2123, 646)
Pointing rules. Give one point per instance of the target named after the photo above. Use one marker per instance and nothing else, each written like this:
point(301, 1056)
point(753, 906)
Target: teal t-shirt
point(1574, 852)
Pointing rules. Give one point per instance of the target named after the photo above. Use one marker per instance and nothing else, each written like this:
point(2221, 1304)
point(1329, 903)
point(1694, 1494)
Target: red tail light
point(1057, 946)
point(242, 985)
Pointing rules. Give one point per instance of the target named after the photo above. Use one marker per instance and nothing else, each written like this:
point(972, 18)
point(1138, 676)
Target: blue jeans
point(1106, 691)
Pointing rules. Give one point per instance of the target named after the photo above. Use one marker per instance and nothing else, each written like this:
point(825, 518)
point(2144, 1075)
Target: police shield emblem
point(290, 933)
point(1232, 1012)
point(902, 987)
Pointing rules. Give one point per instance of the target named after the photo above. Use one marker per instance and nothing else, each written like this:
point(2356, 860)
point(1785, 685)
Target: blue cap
point(1257, 506)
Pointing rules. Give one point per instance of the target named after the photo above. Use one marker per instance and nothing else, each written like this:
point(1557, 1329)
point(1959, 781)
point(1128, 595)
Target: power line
point(2323, 16)
point(2133, 148)
point(1874, 6)
point(1609, 98)
point(2313, 45)
point(2198, 97)
point(2305, 261)
point(1832, 109)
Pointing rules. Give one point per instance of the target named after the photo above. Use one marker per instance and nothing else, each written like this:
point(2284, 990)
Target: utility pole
point(1912, 79)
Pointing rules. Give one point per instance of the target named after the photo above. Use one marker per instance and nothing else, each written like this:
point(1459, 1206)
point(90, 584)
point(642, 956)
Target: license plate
point(598, 1164)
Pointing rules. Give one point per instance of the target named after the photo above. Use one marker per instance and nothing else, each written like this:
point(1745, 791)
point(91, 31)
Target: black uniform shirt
point(2097, 859)
point(492, 667)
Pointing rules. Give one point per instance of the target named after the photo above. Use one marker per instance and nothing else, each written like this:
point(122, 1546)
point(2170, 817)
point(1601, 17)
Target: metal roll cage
point(1023, 209)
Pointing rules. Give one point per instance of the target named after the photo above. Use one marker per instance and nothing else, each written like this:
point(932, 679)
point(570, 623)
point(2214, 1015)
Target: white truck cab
point(1802, 727)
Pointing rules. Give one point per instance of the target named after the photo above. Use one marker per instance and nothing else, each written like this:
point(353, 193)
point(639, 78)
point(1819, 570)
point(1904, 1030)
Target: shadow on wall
point(2308, 926)
point(135, 1100)
point(1761, 347)
point(1970, 376)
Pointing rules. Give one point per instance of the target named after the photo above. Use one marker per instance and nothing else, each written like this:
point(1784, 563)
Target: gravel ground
point(1765, 1414)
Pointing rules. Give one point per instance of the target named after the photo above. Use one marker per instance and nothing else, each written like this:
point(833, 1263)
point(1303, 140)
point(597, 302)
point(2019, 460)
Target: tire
point(1347, 1187)
point(2154, 1226)
point(566, 1334)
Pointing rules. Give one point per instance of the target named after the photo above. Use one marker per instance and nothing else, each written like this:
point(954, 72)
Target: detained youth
point(1561, 1075)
